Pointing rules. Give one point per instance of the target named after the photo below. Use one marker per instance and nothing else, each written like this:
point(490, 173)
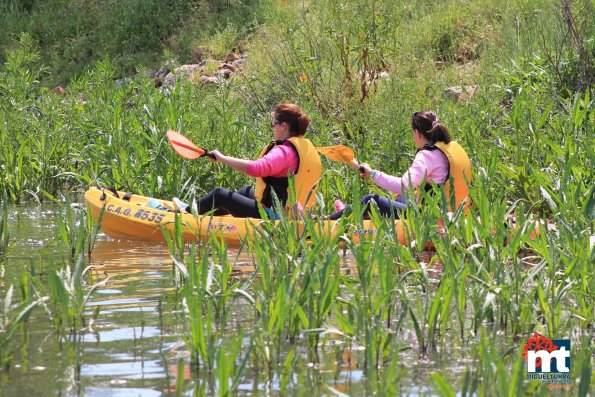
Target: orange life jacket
point(306, 176)
point(456, 185)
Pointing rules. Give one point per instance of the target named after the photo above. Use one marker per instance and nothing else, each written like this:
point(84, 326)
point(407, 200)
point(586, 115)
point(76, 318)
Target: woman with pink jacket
point(290, 154)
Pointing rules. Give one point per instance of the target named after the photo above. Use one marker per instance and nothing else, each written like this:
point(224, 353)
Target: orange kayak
point(133, 217)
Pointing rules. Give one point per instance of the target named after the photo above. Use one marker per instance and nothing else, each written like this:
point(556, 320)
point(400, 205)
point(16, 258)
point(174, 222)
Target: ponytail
point(427, 123)
point(438, 134)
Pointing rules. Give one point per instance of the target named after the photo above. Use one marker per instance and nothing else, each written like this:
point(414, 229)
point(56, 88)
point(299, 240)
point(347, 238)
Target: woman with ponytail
point(289, 154)
point(439, 160)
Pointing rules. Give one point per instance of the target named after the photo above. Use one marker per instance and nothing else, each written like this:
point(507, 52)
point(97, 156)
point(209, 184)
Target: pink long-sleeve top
point(276, 162)
point(429, 164)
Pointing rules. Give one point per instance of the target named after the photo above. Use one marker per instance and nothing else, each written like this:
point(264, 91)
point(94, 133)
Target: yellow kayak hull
point(133, 219)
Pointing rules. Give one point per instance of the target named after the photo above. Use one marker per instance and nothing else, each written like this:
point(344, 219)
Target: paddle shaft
point(201, 151)
point(355, 165)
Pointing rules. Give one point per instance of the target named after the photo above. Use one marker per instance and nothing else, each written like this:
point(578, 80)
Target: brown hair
point(427, 123)
point(294, 117)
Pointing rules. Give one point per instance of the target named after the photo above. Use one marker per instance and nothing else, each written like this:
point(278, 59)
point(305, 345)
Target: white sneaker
point(156, 204)
point(179, 205)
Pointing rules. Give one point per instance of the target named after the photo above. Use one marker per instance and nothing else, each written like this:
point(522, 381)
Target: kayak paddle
point(340, 153)
point(184, 147)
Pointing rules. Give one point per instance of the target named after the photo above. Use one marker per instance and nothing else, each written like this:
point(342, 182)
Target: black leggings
point(385, 206)
point(241, 204)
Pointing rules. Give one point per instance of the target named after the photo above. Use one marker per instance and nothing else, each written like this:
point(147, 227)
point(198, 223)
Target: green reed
point(275, 299)
point(208, 291)
point(73, 232)
point(5, 242)
point(427, 306)
point(12, 316)
point(225, 286)
point(485, 285)
point(177, 248)
point(230, 364)
point(318, 290)
point(201, 338)
point(486, 281)
point(371, 297)
point(69, 293)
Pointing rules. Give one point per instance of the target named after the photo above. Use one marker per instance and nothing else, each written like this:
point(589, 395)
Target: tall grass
point(5, 243)
point(69, 284)
point(69, 295)
point(484, 286)
point(119, 133)
point(487, 284)
point(208, 292)
point(12, 316)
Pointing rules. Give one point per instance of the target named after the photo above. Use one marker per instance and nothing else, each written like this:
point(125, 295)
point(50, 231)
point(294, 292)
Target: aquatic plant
point(465, 286)
point(206, 293)
point(12, 316)
point(230, 364)
point(69, 294)
point(5, 243)
point(201, 337)
point(73, 232)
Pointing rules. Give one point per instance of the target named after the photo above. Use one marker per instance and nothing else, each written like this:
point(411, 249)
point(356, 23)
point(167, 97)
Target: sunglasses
point(414, 121)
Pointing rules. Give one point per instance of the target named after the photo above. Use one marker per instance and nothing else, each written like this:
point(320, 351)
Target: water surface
point(136, 342)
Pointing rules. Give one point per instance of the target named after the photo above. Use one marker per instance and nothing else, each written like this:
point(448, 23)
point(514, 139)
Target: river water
point(128, 348)
point(133, 347)
point(135, 344)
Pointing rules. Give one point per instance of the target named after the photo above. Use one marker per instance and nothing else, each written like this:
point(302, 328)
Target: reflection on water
point(120, 392)
point(123, 334)
point(127, 349)
point(133, 346)
point(128, 254)
point(129, 370)
point(114, 256)
point(124, 351)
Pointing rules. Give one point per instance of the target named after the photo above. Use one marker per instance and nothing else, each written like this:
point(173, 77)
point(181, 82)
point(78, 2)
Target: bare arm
point(233, 162)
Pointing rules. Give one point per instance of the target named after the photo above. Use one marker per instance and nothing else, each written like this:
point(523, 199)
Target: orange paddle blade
point(183, 146)
point(339, 153)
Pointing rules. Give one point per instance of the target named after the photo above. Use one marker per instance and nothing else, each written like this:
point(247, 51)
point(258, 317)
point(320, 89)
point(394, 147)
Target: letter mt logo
point(548, 360)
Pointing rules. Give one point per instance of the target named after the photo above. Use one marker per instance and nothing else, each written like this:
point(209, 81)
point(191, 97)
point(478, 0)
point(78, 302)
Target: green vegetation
point(69, 294)
point(473, 301)
point(12, 316)
point(359, 68)
point(359, 80)
point(133, 34)
point(4, 235)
